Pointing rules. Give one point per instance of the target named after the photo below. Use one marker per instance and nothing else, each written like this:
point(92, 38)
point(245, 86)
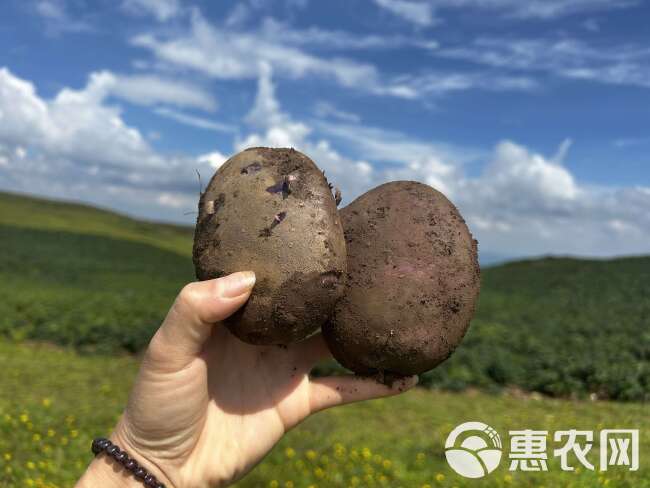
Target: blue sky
point(531, 116)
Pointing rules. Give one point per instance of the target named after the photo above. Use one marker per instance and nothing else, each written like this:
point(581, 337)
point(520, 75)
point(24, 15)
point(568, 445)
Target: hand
point(206, 407)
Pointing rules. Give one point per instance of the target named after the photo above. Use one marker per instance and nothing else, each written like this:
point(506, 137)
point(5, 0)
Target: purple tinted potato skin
point(413, 282)
point(271, 211)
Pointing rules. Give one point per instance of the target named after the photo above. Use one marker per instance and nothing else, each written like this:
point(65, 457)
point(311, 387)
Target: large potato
point(272, 211)
point(413, 282)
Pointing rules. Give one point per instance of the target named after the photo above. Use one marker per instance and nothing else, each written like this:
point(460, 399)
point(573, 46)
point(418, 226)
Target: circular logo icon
point(473, 449)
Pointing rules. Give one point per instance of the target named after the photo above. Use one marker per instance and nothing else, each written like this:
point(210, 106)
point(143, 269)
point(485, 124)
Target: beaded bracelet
point(104, 445)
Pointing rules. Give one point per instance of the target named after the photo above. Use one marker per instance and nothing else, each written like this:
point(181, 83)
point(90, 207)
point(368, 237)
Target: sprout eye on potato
point(413, 282)
point(272, 211)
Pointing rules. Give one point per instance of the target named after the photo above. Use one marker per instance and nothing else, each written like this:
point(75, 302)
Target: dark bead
point(100, 444)
point(111, 449)
point(95, 447)
point(104, 443)
point(140, 473)
point(150, 480)
point(121, 457)
point(161, 485)
point(131, 465)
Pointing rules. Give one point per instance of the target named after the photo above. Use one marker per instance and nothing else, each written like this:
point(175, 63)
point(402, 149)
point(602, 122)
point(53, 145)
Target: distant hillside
point(561, 327)
point(95, 280)
point(28, 212)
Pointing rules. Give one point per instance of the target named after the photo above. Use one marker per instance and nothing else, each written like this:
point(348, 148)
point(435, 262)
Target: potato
point(413, 282)
point(271, 211)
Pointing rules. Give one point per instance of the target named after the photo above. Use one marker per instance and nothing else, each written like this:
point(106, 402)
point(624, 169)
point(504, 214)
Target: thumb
point(196, 309)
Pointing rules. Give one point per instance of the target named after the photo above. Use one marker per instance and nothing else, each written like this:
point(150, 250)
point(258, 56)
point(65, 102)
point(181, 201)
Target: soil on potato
point(272, 211)
point(413, 282)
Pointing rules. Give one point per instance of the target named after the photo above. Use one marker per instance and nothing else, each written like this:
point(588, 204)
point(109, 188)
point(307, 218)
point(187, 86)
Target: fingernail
point(237, 284)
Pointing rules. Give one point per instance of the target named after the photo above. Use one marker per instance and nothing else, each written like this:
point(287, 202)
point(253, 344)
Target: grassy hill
point(97, 281)
point(28, 212)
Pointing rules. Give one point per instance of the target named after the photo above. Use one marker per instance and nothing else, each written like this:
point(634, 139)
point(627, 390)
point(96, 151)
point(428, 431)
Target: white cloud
point(215, 159)
point(70, 145)
point(325, 110)
point(417, 12)
point(624, 142)
point(548, 9)
point(194, 121)
point(567, 58)
point(526, 178)
point(150, 90)
point(230, 53)
point(57, 19)
point(235, 55)
point(441, 83)
point(280, 32)
point(592, 25)
point(174, 200)
point(162, 10)
point(238, 15)
point(521, 203)
point(423, 12)
point(51, 9)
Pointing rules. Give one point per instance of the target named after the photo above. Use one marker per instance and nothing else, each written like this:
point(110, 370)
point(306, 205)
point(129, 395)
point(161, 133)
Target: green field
point(100, 282)
point(97, 285)
point(59, 401)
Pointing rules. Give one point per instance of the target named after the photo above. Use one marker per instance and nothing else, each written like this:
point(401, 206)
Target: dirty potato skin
point(413, 282)
point(272, 211)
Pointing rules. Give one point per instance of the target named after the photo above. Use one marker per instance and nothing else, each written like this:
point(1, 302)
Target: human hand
point(206, 407)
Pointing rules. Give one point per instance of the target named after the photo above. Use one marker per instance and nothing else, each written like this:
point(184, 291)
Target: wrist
point(106, 471)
